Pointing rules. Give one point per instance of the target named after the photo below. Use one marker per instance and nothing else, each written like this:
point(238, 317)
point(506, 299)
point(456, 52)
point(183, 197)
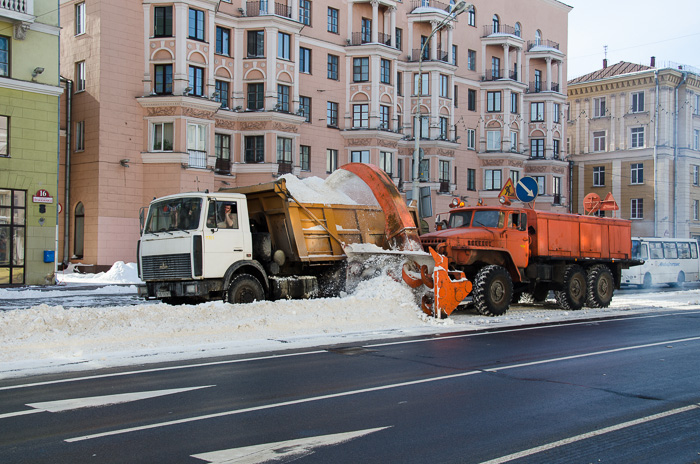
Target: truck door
point(225, 235)
point(516, 239)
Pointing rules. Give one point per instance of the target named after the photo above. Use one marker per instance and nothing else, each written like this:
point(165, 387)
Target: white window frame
point(537, 112)
point(597, 139)
point(598, 176)
point(637, 173)
point(541, 184)
point(696, 210)
point(696, 139)
point(360, 116)
point(80, 79)
point(513, 141)
point(360, 156)
point(599, 107)
point(493, 179)
point(386, 162)
point(331, 159)
point(80, 20)
point(79, 136)
point(696, 175)
point(637, 208)
point(423, 82)
point(162, 124)
point(637, 102)
point(493, 140)
point(471, 139)
point(637, 137)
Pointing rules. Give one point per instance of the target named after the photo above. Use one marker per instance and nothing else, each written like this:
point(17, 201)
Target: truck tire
point(601, 286)
point(244, 288)
point(538, 296)
point(573, 295)
point(493, 290)
point(646, 283)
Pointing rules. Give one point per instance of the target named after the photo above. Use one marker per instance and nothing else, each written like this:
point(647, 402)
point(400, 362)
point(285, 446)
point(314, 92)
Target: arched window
point(518, 30)
point(538, 37)
point(496, 24)
point(471, 16)
point(79, 231)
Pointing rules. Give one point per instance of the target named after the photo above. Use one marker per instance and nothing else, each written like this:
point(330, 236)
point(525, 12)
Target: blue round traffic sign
point(526, 189)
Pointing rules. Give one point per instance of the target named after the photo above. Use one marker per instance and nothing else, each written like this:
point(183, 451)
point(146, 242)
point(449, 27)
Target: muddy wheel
point(493, 291)
point(244, 288)
point(601, 286)
point(573, 294)
point(539, 295)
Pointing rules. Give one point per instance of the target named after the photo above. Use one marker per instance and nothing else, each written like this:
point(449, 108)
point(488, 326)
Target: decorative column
point(238, 93)
point(180, 74)
point(375, 21)
point(392, 22)
point(271, 81)
point(506, 61)
point(147, 84)
point(450, 33)
point(433, 43)
point(548, 84)
point(350, 8)
point(560, 71)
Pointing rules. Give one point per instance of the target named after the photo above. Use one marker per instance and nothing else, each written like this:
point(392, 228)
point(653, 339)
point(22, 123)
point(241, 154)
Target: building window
point(514, 102)
point(304, 60)
point(162, 136)
point(80, 18)
point(283, 98)
point(196, 28)
point(454, 55)
point(471, 179)
point(423, 128)
point(471, 60)
point(385, 71)
point(255, 149)
point(444, 127)
point(222, 146)
point(556, 190)
point(556, 116)
point(471, 139)
point(515, 176)
point(637, 173)
point(493, 102)
point(599, 141)
point(541, 184)
point(197, 81)
point(493, 140)
point(495, 67)
point(332, 114)
point(455, 96)
point(360, 69)
point(696, 139)
point(638, 102)
point(696, 210)
point(256, 44)
point(305, 108)
point(80, 83)
point(223, 36)
point(513, 141)
point(637, 208)
point(384, 117)
point(421, 85)
point(305, 12)
point(79, 227)
point(333, 67)
point(599, 107)
point(517, 30)
point(471, 99)
point(360, 116)
point(399, 33)
point(12, 236)
point(637, 137)
point(4, 136)
point(537, 111)
point(163, 79)
point(444, 171)
point(359, 156)
point(221, 93)
point(444, 86)
point(598, 176)
point(386, 162)
point(538, 81)
point(555, 148)
point(256, 96)
point(80, 136)
point(366, 30)
point(284, 150)
point(492, 179)
point(305, 157)
point(696, 175)
point(536, 148)
point(163, 21)
point(399, 83)
point(331, 160)
point(332, 20)
point(471, 16)
point(283, 45)
point(197, 145)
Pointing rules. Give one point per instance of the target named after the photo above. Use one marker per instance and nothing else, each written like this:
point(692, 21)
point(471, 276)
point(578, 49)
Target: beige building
point(634, 131)
point(202, 94)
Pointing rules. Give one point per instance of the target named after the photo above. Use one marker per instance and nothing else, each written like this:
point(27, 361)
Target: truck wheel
point(647, 281)
point(601, 286)
point(245, 288)
point(493, 291)
point(539, 295)
point(573, 295)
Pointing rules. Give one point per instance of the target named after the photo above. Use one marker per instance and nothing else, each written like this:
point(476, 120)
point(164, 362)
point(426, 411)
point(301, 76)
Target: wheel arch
point(251, 267)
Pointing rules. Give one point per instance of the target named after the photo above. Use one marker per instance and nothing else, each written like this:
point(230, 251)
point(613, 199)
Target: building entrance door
point(13, 214)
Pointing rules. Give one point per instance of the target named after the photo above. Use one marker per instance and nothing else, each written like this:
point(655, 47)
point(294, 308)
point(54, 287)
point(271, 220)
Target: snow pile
point(119, 273)
point(340, 188)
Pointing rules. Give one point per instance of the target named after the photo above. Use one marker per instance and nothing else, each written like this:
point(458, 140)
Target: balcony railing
point(444, 186)
point(284, 167)
point(223, 166)
point(490, 29)
point(360, 38)
point(542, 43)
point(17, 6)
point(441, 56)
point(492, 75)
point(430, 3)
point(263, 8)
point(197, 159)
point(535, 87)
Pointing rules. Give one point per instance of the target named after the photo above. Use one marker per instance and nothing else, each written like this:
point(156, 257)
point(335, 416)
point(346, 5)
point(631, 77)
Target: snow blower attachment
point(448, 293)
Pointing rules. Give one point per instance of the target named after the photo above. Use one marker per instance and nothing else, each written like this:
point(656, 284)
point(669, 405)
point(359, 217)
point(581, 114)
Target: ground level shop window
point(12, 236)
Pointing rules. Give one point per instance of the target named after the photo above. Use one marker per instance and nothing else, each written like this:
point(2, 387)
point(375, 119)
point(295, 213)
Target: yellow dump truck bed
point(310, 232)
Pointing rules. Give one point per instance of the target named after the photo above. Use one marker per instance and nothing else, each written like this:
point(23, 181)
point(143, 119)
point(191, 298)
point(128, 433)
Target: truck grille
point(167, 266)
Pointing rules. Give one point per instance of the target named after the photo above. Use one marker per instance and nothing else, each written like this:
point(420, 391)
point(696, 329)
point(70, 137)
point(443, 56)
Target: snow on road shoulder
point(119, 273)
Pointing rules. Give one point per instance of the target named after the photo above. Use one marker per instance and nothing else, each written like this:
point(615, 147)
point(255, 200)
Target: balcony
point(415, 55)
point(542, 43)
point(284, 167)
point(538, 86)
point(361, 38)
point(444, 186)
point(262, 8)
point(430, 4)
point(197, 159)
point(491, 29)
point(222, 166)
point(17, 10)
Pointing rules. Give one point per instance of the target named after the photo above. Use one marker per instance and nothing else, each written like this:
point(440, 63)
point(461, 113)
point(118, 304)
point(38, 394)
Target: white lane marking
point(281, 451)
point(367, 390)
point(583, 436)
point(97, 401)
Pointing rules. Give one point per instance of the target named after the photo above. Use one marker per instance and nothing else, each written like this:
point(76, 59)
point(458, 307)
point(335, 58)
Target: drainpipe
point(656, 144)
point(675, 157)
point(66, 211)
point(571, 186)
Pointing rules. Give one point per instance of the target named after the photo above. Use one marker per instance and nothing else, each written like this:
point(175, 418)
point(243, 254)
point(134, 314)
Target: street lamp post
point(458, 8)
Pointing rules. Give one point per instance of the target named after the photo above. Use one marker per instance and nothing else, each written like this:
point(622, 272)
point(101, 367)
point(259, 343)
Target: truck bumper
point(179, 289)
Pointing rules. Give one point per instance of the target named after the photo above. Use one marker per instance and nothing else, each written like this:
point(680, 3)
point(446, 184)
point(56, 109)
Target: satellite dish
point(591, 203)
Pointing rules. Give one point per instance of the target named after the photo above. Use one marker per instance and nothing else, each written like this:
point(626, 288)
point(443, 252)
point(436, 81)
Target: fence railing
point(499, 29)
point(18, 6)
point(542, 43)
point(264, 7)
point(197, 159)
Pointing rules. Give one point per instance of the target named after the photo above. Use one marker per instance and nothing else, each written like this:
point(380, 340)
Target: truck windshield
point(489, 219)
point(460, 219)
point(174, 214)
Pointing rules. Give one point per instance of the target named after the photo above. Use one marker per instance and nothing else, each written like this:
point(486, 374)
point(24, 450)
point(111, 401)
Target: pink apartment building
point(190, 95)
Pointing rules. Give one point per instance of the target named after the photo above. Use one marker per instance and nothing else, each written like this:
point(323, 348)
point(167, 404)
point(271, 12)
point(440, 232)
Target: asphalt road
point(616, 390)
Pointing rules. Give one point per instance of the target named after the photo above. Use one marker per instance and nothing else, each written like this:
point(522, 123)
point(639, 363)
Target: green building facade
point(29, 140)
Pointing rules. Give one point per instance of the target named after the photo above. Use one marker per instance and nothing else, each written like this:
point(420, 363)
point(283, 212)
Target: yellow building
point(29, 99)
point(634, 131)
